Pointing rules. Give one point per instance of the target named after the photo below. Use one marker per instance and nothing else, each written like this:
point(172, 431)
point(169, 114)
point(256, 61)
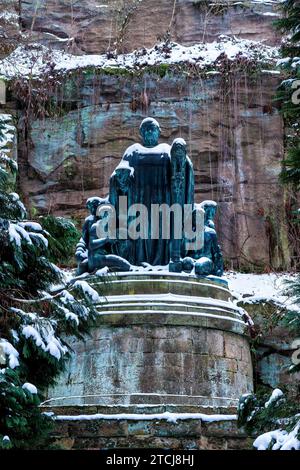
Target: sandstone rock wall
point(92, 26)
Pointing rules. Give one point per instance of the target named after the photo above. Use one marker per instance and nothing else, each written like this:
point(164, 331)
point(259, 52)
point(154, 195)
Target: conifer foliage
point(62, 238)
point(34, 318)
point(272, 419)
point(276, 418)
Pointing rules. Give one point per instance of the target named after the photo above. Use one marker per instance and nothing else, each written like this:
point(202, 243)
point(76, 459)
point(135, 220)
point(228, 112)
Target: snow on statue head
point(210, 209)
point(178, 151)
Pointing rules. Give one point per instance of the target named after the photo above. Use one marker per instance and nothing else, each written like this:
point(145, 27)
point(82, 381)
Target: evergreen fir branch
point(62, 237)
point(290, 173)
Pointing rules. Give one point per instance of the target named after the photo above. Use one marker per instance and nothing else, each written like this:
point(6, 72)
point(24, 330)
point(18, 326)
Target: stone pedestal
point(160, 339)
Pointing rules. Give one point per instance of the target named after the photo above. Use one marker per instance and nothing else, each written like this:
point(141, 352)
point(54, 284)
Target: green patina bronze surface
point(152, 175)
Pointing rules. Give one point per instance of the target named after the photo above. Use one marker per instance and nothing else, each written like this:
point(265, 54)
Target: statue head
point(150, 132)
point(123, 173)
point(210, 209)
point(178, 152)
point(187, 264)
point(93, 203)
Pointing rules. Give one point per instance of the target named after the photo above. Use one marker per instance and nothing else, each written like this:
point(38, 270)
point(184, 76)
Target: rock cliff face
point(234, 132)
point(9, 25)
point(93, 26)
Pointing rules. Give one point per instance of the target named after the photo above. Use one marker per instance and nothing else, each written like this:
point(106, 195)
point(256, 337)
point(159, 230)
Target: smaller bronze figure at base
point(91, 252)
point(211, 249)
point(81, 253)
point(120, 184)
point(99, 253)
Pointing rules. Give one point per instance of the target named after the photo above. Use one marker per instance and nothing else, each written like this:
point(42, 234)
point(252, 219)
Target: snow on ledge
point(36, 60)
point(167, 416)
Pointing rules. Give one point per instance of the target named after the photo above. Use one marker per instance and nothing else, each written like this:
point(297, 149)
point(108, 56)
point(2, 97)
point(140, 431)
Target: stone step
point(178, 304)
point(165, 307)
point(165, 402)
point(128, 317)
point(133, 284)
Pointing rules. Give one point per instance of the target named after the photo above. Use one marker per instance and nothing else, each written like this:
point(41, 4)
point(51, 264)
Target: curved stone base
point(160, 339)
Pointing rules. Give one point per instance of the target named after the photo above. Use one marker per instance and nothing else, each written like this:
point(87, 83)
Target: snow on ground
point(253, 288)
point(36, 60)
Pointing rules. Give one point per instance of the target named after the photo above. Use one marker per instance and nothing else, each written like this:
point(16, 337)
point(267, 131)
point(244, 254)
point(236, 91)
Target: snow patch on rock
point(36, 60)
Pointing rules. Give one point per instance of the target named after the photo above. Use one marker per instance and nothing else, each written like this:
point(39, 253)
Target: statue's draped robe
point(124, 247)
point(151, 184)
